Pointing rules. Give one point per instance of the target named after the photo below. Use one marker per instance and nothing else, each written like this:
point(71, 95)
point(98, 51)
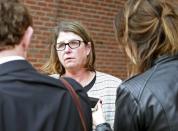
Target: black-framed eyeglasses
point(72, 44)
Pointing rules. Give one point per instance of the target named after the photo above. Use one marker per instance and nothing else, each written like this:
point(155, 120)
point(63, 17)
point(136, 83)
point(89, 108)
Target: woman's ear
point(88, 48)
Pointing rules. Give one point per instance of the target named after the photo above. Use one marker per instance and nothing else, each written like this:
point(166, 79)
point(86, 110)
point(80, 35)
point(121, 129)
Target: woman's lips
point(68, 58)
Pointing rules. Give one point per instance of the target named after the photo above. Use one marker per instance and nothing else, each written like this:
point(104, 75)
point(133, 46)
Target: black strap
point(76, 101)
point(103, 127)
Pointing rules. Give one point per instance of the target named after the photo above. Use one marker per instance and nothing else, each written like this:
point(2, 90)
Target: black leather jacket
point(149, 101)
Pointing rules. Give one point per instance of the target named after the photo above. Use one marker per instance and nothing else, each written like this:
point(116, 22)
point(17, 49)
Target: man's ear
point(27, 38)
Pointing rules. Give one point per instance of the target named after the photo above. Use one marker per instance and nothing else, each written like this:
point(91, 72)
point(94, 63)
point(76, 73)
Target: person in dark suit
point(30, 101)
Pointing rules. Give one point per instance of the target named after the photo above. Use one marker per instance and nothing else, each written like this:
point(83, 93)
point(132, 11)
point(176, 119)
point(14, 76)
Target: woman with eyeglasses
point(73, 55)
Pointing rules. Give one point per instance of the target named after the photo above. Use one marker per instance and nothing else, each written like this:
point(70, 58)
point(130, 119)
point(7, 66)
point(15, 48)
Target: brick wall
point(96, 15)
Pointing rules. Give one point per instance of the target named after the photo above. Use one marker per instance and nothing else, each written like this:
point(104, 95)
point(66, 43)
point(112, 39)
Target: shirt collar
point(10, 58)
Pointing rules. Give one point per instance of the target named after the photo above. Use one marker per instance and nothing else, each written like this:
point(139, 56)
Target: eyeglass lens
point(72, 44)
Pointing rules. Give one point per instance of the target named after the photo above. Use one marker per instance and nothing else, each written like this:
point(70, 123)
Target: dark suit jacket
point(30, 101)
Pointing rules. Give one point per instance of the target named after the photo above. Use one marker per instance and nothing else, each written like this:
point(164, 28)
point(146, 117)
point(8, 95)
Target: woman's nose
point(67, 49)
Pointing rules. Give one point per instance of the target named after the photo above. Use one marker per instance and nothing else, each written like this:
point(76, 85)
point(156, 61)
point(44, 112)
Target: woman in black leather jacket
point(148, 101)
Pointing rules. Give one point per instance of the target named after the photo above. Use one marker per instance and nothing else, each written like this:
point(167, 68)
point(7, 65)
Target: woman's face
point(72, 59)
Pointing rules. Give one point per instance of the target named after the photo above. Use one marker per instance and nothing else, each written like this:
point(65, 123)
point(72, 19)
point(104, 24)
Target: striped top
point(104, 88)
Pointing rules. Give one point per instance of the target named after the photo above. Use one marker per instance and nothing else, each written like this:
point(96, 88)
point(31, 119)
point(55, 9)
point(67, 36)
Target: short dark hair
point(14, 20)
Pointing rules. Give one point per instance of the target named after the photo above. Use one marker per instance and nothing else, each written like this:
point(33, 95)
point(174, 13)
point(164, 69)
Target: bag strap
point(76, 101)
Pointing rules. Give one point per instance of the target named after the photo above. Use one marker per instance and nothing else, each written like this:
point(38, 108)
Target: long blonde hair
point(148, 29)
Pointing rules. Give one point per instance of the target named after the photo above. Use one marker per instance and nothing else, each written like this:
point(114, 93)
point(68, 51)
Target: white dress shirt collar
point(10, 58)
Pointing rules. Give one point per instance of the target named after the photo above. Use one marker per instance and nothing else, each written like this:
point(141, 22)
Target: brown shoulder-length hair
point(53, 65)
point(148, 29)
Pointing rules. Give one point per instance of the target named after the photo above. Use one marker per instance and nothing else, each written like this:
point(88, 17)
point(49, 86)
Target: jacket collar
point(15, 65)
point(165, 58)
